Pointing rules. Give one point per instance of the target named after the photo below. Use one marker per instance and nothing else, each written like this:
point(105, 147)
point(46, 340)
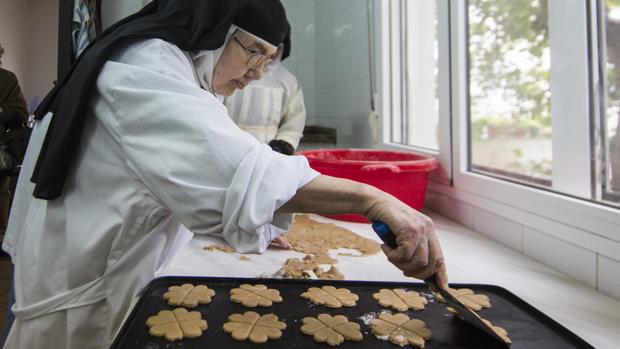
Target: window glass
point(509, 89)
point(611, 25)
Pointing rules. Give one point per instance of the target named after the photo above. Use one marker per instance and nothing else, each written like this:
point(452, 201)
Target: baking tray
point(526, 326)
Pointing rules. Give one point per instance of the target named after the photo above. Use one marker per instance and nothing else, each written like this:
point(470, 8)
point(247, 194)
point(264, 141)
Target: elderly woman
point(135, 142)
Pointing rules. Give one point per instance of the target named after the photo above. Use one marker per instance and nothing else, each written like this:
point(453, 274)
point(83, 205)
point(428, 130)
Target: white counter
point(471, 258)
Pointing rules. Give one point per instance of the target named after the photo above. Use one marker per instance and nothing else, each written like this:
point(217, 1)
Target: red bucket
point(402, 174)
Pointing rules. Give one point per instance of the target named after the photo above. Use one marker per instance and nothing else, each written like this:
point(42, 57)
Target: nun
point(136, 142)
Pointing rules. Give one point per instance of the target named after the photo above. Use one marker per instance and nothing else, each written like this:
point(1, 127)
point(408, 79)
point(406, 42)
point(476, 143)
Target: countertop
point(471, 258)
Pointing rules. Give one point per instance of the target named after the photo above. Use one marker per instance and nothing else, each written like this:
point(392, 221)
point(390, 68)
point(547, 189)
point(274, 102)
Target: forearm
point(331, 195)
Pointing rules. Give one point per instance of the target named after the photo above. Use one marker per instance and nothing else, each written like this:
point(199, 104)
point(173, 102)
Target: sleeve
point(14, 112)
point(180, 142)
point(293, 119)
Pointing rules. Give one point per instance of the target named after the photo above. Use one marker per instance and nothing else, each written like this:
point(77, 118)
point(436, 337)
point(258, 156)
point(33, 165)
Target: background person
point(271, 109)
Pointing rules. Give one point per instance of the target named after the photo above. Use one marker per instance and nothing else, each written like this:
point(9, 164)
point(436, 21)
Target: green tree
point(499, 30)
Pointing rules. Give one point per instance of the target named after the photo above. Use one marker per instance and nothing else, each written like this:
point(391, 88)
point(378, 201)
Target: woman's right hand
point(418, 253)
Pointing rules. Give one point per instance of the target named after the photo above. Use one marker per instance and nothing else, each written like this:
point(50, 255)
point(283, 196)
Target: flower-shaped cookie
point(502, 333)
point(253, 296)
point(400, 299)
point(470, 299)
point(401, 330)
point(258, 328)
point(188, 295)
point(176, 324)
point(333, 330)
point(330, 296)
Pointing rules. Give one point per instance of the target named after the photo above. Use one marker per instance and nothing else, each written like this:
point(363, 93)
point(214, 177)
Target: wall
point(330, 60)
point(29, 34)
point(42, 48)
point(559, 245)
point(343, 77)
point(13, 33)
point(302, 61)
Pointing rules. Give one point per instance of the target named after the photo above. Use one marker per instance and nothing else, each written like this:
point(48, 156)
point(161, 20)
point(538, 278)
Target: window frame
point(510, 199)
point(390, 102)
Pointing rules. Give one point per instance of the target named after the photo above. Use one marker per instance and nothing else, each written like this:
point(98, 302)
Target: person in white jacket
point(271, 109)
point(135, 142)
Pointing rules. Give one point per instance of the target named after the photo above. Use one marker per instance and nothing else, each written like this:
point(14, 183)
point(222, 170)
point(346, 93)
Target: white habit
point(157, 151)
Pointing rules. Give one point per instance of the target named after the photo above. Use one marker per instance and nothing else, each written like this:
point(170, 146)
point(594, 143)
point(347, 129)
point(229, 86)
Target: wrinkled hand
point(281, 242)
point(419, 253)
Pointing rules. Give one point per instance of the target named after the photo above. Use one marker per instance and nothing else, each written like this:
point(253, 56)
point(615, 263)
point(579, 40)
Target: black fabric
point(192, 25)
point(282, 147)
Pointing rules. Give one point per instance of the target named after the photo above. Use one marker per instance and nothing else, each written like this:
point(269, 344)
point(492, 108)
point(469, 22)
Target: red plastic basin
point(402, 174)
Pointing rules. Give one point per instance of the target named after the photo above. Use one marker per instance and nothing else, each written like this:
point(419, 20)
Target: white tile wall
point(609, 276)
point(590, 267)
point(569, 259)
point(343, 82)
point(454, 209)
point(302, 62)
point(499, 229)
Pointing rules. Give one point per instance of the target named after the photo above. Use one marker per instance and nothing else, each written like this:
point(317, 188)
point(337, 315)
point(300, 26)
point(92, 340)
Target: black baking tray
point(526, 326)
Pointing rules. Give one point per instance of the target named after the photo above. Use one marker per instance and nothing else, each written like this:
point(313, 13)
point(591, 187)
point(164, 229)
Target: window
point(415, 71)
point(510, 97)
point(611, 108)
point(516, 94)
point(533, 86)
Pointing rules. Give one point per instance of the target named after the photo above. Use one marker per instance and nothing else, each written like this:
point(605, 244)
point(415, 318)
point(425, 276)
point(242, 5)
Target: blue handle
point(385, 233)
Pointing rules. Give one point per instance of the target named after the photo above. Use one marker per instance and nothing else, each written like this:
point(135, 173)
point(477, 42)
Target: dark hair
point(1, 53)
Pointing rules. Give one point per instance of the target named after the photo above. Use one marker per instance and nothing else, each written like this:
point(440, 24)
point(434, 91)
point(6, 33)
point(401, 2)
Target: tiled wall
point(330, 59)
point(539, 238)
point(302, 62)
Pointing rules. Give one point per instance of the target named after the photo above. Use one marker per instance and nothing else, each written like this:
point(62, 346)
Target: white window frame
point(388, 49)
point(518, 202)
point(511, 198)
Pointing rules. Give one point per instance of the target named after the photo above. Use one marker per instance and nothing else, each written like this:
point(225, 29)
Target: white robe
point(157, 151)
point(270, 108)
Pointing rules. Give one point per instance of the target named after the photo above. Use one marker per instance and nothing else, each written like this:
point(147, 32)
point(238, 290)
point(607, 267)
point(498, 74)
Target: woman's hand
point(281, 242)
point(419, 252)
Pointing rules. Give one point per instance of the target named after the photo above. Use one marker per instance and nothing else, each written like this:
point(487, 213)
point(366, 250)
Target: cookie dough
point(400, 299)
point(502, 333)
point(310, 267)
point(220, 248)
point(316, 238)
point(333, 330)
point(330, 296)
point(257, 328)
point(176, 324)
point(401, 330)
point(188, 295)
point(470, 299)
point(252, 296)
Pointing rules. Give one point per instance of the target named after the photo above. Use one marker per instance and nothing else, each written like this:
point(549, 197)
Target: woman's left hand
point(281, 242)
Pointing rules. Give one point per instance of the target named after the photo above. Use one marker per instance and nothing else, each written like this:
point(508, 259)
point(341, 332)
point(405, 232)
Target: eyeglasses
point(256, 60)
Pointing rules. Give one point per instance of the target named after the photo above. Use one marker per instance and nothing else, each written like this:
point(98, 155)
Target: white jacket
point(270, 108)
point(158, 151)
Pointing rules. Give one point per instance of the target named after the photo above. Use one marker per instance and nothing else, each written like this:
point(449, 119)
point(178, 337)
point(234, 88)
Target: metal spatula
point(467, 314)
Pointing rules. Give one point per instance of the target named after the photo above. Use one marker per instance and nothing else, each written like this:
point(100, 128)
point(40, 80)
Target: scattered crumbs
point(398, 338)
point(245, 258)
point(367, 318)
point(428, 295)
point(221, 248)
point(384, 337)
